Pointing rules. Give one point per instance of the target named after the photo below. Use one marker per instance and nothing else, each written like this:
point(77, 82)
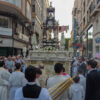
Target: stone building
point(15, 26)
point(88, 27)
point(39, 14)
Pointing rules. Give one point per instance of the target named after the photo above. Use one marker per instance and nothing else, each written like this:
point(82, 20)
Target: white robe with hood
point(77, 92)
point(4, 77)
point(16, 80)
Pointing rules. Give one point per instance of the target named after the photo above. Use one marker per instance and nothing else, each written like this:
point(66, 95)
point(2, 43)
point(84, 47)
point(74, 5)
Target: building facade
point(88, 22)
point(39, 15)
point(15, 26)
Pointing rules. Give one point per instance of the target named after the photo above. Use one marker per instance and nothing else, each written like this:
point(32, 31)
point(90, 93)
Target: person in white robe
point(16, 80)
point(32, 91)
point(77, 90)
point(82, 80)
point(4, 77)
point(57, 79)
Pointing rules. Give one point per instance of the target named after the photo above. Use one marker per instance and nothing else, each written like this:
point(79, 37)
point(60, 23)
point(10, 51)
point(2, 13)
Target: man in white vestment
point(31, 91)
point(58, 78)
point(4, 77)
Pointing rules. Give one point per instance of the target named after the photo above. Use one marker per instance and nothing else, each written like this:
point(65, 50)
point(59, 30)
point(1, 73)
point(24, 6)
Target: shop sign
point(97, 40)
point(5, 31)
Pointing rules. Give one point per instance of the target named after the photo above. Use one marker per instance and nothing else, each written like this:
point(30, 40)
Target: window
point(4, 22)
point(15, 2)
point(97, 49)
point(28, 10)
point(33, 8)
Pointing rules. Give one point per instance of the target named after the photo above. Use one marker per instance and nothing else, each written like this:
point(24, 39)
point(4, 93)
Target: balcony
point(92, 7)
point(97, 8)
point(10, 9)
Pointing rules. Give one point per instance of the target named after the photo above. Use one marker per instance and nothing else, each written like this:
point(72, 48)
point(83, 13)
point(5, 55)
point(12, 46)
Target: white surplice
point(4, 77)
point(44, 95)
point(16, 80)
point(55, 80)
point(82, 81)
point(77, 92)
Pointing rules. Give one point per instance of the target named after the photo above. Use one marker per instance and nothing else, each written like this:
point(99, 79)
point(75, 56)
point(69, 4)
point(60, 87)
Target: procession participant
point(59, 78)
point(32, 91)
point(82, 66)
point(92, 81)
point(16, 80)
point(77, 90)
point(82, 80)
point(4, 77)
point(65, 74)
point(38, 73)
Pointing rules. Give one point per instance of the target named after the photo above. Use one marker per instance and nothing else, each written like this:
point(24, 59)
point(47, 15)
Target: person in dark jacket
point(82, 66)
point(92, 81)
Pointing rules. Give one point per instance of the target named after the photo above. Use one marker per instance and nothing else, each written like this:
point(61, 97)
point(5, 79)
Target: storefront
point(96, 53)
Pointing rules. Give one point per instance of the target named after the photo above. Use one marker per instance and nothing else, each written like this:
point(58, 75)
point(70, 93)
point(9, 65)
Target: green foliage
point(66, 43)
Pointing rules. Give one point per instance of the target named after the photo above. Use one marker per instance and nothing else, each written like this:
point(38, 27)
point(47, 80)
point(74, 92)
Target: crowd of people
point(88, 71)
point(11, 61)
point(18, 82)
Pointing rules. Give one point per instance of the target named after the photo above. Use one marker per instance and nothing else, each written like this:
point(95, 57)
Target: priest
point(57, 79)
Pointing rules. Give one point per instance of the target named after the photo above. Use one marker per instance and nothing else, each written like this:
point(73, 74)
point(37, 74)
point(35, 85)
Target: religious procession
point(49, 50)
point(81, 84)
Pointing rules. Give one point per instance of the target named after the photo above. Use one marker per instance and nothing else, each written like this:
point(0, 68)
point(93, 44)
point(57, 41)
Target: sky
point(64, 12)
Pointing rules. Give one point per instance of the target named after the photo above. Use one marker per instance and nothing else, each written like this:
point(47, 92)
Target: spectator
point(92, 81)
point(82, 66)
point(18, 60)
point(9, 64)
